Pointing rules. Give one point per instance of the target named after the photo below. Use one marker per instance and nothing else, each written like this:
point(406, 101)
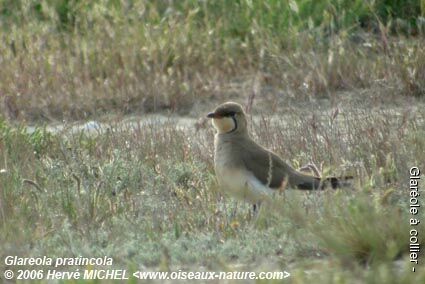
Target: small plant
point(79, 59)
point(326, 83)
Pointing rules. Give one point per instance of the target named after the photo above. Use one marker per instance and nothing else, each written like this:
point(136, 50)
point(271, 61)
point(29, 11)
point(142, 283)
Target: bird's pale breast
point(234, 179)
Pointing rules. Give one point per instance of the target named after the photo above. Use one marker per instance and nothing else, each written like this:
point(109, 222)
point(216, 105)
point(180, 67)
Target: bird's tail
point(311, 182)
point(337, 182)
point(308, 182)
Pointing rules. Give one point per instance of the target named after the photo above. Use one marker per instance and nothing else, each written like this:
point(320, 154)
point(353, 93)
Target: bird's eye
point(231, 113)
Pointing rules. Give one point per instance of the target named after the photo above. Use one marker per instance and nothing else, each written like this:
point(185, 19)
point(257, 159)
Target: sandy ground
point(269, 103)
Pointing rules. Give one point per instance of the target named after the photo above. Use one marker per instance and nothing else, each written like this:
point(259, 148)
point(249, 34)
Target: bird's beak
point(212, 115)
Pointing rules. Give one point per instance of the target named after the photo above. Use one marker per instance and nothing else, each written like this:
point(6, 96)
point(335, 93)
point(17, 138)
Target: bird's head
point(229, 118)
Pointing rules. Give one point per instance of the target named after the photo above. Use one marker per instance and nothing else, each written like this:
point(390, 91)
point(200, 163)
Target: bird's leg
point(235, 210)
point(253, 213)
point(256, 208)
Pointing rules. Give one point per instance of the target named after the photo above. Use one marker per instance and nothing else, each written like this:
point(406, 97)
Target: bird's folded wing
point(272, 171)
point(266, 166)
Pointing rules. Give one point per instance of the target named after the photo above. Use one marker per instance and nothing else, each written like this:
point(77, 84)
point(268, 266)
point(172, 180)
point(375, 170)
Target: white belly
point(234, 181)
point(242, 185)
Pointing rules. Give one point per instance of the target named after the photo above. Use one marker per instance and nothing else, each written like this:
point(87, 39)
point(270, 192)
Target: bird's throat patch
point(224, 124)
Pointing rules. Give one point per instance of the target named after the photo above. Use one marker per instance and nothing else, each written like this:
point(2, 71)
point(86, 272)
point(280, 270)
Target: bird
point(248, 171)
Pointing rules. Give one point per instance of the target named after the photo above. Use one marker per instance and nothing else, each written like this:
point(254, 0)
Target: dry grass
point(319, 79)
point(77, 62)
point(149, 197)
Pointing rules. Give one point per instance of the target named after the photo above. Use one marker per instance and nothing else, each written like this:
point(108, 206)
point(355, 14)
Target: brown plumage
point(238, 159)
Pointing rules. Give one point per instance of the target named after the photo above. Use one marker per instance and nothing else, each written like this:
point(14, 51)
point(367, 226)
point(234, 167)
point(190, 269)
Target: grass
point(147, 196)
point(337, 83)
point(78, 59)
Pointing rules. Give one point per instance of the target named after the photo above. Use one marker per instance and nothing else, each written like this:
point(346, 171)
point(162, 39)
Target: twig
point(33, 183)
point(78, 184)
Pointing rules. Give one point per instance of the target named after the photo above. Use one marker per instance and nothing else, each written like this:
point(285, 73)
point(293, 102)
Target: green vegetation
point(76, 59)
point(147, 197)
point(335, 82)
